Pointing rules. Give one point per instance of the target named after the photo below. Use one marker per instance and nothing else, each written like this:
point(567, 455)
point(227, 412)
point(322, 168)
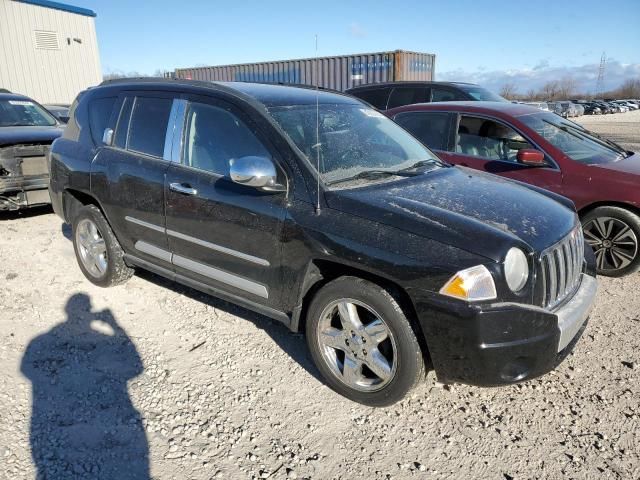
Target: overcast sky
point(488, 42)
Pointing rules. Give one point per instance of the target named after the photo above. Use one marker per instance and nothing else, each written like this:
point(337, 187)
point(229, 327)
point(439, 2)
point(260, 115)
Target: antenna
point(317, 132)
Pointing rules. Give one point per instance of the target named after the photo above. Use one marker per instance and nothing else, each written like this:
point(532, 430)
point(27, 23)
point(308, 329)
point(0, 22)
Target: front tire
point(362, 342)
point(98, 252)
point(614, 235)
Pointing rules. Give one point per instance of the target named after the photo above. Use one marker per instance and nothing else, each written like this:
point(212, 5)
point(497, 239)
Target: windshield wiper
point(424, 163)
point(373, 174)
point(586, 135)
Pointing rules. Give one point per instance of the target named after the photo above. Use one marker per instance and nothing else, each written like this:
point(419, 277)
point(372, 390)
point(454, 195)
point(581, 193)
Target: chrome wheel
point(92, 248)
point(357, 345)
point(613, 241)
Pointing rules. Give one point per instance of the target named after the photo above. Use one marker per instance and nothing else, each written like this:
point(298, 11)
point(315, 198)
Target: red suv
point(543, 149)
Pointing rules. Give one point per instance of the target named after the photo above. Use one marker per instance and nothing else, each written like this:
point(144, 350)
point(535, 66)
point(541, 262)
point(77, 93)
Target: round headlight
point(516, 269)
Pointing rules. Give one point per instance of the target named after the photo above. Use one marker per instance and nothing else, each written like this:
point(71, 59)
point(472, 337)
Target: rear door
point(491, 145)
point(128, 175)
point(222, 234)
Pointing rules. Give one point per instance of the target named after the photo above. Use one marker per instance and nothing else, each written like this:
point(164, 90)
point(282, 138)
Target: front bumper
point(23, 192)
point(502, 343)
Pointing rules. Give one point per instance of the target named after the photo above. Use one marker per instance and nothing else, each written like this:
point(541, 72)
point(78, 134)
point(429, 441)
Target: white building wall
point(37, 68)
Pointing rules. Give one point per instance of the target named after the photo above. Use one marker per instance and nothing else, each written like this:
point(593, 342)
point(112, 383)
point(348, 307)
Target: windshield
point(482, 94)
point(350, 140)
point(574, 141)
point(22, 113)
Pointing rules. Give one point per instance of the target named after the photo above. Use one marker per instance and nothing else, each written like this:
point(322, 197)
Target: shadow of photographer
point(83, 423)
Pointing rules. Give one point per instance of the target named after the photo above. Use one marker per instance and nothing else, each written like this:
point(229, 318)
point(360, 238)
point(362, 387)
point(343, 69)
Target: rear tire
point(614, 235)
point(98, 252)
point(362, 342)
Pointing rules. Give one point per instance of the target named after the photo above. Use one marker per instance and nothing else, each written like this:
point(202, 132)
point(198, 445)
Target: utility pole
point(600, 82)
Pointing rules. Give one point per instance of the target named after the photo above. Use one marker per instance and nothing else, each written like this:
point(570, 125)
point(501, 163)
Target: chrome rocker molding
point(204, 270)
point(283, 317)
point(202, 243)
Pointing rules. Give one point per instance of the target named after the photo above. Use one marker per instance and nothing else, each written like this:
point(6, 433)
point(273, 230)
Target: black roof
point(13, 96)
point(267, 94)
point(407, 84)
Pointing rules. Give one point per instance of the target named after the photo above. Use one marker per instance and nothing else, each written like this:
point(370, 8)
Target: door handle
point(183, 188)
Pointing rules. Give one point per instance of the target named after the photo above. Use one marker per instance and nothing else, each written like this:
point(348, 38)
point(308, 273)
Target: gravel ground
point(623, 128)
point(154, 380)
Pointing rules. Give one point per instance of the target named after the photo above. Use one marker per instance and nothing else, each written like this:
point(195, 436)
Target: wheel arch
point(592, 206)
point(321, 271)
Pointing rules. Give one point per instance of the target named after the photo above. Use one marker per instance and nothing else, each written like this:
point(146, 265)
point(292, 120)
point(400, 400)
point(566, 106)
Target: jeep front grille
point(561, 266)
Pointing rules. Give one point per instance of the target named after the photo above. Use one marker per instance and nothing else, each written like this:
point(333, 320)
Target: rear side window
point(148, 125)
point(99, 114)
point(431, 128)
point(446, 95)
point(407, 96)
point(376, 97)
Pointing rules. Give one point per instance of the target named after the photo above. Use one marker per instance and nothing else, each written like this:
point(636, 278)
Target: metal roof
point(60, 6)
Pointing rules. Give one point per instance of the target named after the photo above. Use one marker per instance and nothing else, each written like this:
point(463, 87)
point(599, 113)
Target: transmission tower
point(600, 82)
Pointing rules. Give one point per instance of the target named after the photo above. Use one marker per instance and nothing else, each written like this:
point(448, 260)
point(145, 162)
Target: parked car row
point(390, 240)
point(575, 108)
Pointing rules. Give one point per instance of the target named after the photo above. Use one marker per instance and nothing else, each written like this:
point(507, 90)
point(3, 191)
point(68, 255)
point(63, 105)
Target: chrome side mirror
point(259, 172)
point(107, 136)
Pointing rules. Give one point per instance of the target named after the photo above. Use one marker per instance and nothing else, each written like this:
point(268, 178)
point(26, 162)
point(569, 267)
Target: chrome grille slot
point(560, 268)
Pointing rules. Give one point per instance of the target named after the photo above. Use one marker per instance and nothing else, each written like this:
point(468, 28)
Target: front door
point(492, 146)
point(222, 234)
point(129, 174)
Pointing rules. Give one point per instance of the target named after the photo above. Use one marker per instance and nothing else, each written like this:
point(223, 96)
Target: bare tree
point(531, 94)
point(508, 91)
point(629, 89)
point(566, 87)
point(550, 90)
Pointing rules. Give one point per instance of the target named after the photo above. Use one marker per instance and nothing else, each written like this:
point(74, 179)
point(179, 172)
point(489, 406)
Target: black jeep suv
point(314, 209)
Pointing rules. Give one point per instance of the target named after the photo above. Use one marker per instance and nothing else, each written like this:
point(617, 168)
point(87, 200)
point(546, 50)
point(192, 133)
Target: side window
point(215, 137)
point(431, 128)
point(407, 95)
point(445, 95)
point(376, 97)
point(99, 113)
point(148, 125)
point(479, 137)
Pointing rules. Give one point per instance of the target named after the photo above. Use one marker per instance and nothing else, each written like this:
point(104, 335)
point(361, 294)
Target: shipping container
point(336, 73)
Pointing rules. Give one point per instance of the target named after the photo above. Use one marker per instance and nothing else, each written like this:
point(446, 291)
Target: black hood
point(16, 135)
point(475, 211)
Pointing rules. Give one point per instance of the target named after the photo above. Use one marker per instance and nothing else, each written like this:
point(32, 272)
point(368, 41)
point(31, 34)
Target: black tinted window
point(432, 129)
point(99, 113)
point(407, 95)
point(376, 97)
point(148, 126)
point(446, 95)
point(215, 138)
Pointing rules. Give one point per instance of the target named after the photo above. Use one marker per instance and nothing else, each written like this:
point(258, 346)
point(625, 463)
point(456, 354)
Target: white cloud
point(585, 76)
point(356, 30)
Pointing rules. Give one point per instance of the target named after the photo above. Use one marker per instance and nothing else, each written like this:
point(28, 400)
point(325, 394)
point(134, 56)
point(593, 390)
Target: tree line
point(566, 88)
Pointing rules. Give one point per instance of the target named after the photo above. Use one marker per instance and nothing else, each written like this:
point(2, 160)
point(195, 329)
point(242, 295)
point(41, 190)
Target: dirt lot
point(623, 128)
point(153, 377)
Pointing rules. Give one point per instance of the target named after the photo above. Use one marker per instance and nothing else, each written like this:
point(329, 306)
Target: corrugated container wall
point(336, 73)
point(47, 53)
